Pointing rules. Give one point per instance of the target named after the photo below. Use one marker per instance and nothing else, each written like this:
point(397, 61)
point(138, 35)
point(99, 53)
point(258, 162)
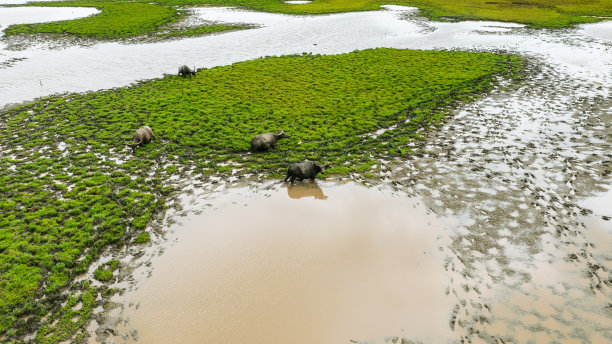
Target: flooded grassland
point(492, 228)
point(73, 188)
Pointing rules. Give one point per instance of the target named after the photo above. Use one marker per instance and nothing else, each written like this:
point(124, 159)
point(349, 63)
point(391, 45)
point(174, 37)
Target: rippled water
point(516, 188)
point(107, 65)
point(8, 60)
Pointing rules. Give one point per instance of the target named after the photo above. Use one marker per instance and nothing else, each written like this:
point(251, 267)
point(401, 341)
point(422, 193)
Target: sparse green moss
point(142, 238)
point(200, 30)
point(70, 321)
point(104, 272)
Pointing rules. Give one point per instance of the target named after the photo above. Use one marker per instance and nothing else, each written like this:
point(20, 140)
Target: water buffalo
point(141, 136)
point(303, 170)
point(263, 142)
point(184, 71)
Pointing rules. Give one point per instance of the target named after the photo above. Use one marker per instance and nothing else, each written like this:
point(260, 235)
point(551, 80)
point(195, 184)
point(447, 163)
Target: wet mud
point(534, 264)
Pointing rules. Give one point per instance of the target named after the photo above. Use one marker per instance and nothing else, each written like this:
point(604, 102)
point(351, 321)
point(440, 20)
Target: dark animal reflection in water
point(306, 189)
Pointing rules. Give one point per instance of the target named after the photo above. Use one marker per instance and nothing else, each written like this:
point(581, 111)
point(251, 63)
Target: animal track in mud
point(516, 164)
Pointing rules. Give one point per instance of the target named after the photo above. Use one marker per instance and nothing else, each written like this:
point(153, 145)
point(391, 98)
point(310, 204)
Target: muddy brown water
point(292, 265)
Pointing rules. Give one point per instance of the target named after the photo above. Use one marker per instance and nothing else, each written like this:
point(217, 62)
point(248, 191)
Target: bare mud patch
point(304, 263)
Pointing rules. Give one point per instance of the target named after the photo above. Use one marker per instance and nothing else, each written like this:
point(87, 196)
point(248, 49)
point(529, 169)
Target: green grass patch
point(70, 187)
point(69, 322)
point(142, 238)
point(116, 20)
point(104, 272)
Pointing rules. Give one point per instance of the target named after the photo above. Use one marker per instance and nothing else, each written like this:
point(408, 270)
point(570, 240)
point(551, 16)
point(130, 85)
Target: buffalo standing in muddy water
point(303, 170)
point(184, 71)
point(141, 136)
point(263, 142)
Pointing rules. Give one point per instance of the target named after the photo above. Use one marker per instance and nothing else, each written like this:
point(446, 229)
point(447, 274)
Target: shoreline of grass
point(115, 20)
point(120, 19)
point(71, 189)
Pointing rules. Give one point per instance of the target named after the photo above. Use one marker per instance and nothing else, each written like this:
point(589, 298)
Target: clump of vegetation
point(69, 322)
point(104, 272)
point(70, 187)
point(142, 238)
point(199, 30)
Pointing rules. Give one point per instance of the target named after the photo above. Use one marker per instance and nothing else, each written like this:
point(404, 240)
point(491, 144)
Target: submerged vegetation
point(70, 187)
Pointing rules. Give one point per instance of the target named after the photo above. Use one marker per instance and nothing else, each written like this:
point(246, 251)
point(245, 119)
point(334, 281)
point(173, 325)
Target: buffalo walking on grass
point(142, 136)
point(184, 71)
point(263, 142)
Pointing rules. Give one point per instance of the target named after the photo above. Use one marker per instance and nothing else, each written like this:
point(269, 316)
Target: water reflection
point(305, 189)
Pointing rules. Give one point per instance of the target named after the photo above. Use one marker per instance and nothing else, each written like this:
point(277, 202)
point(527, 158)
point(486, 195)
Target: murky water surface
point(497, 231)
point(302, 264)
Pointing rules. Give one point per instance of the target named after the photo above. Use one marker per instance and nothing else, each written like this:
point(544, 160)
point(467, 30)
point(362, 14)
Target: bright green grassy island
point(71, 188)
point(117, 20)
